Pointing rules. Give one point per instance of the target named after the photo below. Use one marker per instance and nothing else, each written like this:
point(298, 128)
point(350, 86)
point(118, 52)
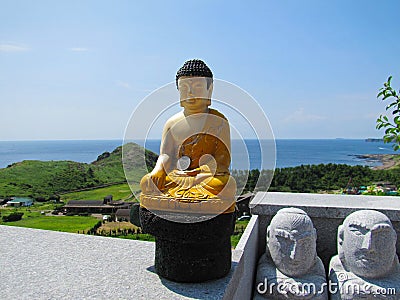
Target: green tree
point(392, 127)
point(16, 216)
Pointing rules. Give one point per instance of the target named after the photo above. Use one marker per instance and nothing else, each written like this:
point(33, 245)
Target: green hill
point(42, 179)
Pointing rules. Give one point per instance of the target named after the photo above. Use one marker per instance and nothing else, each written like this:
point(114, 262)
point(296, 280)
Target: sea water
point(289, 152)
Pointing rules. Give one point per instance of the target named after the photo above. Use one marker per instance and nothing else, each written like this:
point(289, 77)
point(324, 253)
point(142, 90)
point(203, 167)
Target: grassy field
point(61, 223)
point(37, 217)
point(240, 227)
point(33, 218)
point(119, 192)
point(33, 210)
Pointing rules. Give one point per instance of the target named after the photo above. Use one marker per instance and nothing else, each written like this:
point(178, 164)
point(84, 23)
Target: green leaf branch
point(391, 127)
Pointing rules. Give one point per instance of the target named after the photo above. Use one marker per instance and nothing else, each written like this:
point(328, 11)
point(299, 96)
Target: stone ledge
point(325, 205)
point(327, 212)
point(245, 258)
point(41, 264)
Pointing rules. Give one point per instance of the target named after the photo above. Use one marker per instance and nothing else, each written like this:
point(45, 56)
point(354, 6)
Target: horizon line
point(157, 139)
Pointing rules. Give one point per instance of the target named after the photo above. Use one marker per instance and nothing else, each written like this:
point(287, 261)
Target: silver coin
point(183, 163)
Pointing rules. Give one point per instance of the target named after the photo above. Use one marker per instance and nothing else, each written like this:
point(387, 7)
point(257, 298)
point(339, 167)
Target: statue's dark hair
point(195, 68)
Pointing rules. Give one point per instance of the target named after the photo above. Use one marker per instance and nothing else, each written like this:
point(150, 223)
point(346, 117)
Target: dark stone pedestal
point(190, 252)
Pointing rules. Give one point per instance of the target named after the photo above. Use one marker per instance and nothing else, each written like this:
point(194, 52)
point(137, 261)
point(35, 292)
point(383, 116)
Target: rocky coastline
point(387, 161)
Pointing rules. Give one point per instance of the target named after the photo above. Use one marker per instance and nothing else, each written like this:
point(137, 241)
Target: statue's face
point(194, 94)
point(369, 247)
point(293, 250)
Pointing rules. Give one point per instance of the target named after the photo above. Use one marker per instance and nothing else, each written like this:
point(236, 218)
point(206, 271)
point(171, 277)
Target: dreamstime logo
point(247, 122)
point(290, 286)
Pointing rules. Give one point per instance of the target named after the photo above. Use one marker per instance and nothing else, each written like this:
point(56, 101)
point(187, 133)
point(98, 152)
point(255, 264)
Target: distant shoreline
point(388, 161)
point(259, 154)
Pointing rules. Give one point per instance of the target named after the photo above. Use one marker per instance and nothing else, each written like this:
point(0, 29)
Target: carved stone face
point(291, 240)
point(194, 94)
point(367, 244)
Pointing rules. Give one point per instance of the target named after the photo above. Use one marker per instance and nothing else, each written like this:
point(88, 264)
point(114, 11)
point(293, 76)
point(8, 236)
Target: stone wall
point(244, 260)
point(327, 213)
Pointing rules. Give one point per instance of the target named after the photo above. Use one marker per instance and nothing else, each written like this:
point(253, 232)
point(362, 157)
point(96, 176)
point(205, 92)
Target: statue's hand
point(158, 177)
point(192, 173)
point(201, 177)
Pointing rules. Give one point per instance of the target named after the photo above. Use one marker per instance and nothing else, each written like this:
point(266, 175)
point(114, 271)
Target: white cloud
point(10, 47)
point(123, 84)
point(302, 116)
point(79, 49)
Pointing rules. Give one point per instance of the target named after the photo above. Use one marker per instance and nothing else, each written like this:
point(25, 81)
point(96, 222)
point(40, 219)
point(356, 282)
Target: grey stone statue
point(366, 266)
point(290, 268)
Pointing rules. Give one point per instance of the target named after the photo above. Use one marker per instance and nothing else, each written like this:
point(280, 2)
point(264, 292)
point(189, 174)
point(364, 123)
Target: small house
point(123, 214)
point(94, 207)
point(17, 202)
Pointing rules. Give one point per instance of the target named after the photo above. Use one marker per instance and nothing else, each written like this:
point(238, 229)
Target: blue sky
point(77, 69)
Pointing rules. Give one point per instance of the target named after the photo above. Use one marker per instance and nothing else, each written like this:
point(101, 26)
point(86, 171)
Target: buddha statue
point(193, 165)
point(366, 266)
point(188, 199)
point(290, 268)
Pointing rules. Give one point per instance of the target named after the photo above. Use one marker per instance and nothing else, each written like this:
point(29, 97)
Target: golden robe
point(208, 156)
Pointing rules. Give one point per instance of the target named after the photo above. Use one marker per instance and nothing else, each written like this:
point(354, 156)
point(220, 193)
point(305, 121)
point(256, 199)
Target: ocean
point(289, 152)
